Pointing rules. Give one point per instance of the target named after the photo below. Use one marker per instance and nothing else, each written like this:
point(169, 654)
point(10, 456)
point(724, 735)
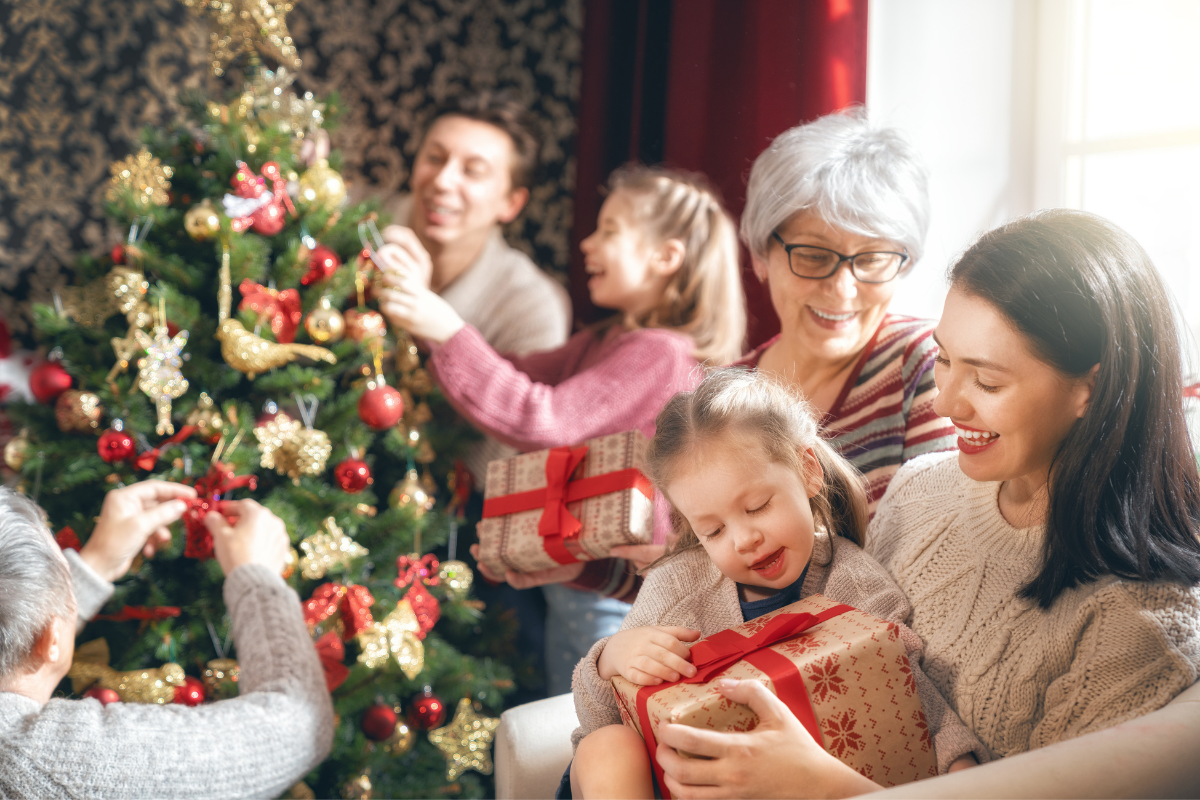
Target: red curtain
point(705, 85)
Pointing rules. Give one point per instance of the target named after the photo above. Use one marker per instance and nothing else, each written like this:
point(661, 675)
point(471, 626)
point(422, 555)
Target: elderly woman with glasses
point(836, 212)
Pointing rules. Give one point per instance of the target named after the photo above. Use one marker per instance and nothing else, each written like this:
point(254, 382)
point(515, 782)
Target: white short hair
point(864, 178)
point(35, 583)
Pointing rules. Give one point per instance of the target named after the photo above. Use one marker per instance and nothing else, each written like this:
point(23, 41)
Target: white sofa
point(533, 747)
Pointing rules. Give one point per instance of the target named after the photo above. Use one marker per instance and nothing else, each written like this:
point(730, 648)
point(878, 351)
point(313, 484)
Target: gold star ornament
point(466, 741)
point(248, 27)
point(144, 175)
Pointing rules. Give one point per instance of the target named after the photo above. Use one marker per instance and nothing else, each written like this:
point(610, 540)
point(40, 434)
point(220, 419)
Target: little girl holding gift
point(767, 513)
point(665, 257)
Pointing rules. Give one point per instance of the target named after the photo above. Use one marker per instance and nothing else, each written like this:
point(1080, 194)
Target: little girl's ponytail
point(704, 298)
point(751, 408)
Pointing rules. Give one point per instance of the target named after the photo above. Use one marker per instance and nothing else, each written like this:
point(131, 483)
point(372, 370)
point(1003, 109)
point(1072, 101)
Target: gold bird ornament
point(247, 352)
point(90, 668)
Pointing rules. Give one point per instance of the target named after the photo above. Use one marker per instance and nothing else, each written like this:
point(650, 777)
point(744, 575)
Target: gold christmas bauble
point(17, 451)
point(409, 493)
point(358, 788)
point(325, 324)
point(78, 412)
point(456, 577)
point(402, 739)
point(322, 186)
point(364, 325)
point(202, 221)
point(221, 678)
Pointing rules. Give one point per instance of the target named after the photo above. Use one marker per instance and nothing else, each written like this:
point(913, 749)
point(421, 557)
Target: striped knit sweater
point(882, 418)
point(884, 415)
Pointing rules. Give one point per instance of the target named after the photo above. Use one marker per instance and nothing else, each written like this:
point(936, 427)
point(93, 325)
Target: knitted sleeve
point(858, 580)
point(91, 591)
point(665, 586)
point(1138, 646)
point(256, 745)
point(625, 389)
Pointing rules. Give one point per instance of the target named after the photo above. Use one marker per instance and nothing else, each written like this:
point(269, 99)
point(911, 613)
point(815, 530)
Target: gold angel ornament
point(247, 352)
point(159, 375)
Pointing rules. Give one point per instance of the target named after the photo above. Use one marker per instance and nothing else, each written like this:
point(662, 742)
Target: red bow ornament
point(282, 308)
point(220, 479)
point(149, 460)
point(425, 606)
point(252, 205)
point(332, 653)
point(413, 568)
point(354, 603)
point(143, 613)
point(67, 539)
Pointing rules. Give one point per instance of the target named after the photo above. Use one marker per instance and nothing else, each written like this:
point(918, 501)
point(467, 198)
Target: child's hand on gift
point(648, 655)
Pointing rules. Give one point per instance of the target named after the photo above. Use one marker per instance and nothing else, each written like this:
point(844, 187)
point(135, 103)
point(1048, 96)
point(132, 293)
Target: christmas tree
point(211, 348)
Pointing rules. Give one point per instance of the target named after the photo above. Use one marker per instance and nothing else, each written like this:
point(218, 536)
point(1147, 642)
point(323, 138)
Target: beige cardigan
point(690, 591)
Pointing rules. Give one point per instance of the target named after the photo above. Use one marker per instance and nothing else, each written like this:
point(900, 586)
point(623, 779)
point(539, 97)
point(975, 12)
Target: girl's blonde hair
point(758, 410)
point(704, 297)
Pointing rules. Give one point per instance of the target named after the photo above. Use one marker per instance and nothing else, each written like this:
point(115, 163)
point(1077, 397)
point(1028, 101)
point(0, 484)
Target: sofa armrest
point(533, 748)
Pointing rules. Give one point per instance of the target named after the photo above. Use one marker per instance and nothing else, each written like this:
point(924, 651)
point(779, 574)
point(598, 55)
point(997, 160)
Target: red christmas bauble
point(378, 722)
point(365, 325)
point(48, 380)
point(105, 696)
point(427, 711)
point(353, 475)
point(191, 693)
point(118, 254)
point(380, 406)
point(115, 445)
point(321, 264)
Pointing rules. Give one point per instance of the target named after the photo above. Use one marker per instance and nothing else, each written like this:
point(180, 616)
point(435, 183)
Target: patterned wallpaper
point(80, 78)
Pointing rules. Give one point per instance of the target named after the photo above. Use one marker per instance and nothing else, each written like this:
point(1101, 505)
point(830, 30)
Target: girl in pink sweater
point(664, 256)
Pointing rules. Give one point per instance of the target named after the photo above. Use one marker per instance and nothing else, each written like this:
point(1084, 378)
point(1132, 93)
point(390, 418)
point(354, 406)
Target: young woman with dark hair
point(1052, 563)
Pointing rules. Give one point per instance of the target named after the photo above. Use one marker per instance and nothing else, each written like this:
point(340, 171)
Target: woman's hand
point(528, 580)
point(408, 301)
point(777, 759)
point(648, 655)
point(257, 536)
point(134, 519)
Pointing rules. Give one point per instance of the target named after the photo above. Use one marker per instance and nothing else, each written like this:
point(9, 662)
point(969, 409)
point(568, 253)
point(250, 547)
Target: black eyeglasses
point(815, 263)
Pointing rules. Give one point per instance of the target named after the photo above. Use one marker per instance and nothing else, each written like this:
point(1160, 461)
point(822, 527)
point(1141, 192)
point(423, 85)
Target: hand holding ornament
point(403, 251)
point(134, 520)
point(258, 536)
point(409, 304)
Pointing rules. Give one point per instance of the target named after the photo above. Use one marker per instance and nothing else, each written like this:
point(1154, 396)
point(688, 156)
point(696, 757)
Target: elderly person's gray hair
point(864, 178)
point(35, 582)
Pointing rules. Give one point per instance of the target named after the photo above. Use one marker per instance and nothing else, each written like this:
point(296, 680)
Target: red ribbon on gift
point(145, 613)
point(220, 479)
point(353, 601)
point(717, 653)
point(557, 524)
point(332, 653)
point(149, 459)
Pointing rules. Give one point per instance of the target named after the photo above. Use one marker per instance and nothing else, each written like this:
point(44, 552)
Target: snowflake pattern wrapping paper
point(857, 691)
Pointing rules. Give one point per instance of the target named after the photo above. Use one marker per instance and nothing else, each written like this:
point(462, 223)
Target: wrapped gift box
point(844, 673)
point(565, 505)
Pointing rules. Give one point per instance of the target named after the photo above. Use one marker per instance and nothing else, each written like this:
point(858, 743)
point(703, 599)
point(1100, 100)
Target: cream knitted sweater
point(690, 591)
point(1019, 676)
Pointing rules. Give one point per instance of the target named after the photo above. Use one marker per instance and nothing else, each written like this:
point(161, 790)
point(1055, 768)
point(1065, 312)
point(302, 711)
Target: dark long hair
point(1124, 486)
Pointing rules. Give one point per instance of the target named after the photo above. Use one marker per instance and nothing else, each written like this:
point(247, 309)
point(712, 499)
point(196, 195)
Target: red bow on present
point(281, 308)
point(149, 459)
point(424, 568)
point(714, 654)
point(353, 601)
point(332, 653)
point(67, 539)
point(151, 613)
point(220, 479)
point(558, 525)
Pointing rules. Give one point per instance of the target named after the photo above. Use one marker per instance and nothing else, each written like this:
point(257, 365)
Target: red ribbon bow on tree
point(354, 602)
point(67, 539)
point(149, 459)
point(220, 479)
point(252, 205)
point(423, 568)
point(144, 613)
point(332, 653)
point(282, 308)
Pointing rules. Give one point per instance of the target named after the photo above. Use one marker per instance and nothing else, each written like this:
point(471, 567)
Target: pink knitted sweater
point(595, 384)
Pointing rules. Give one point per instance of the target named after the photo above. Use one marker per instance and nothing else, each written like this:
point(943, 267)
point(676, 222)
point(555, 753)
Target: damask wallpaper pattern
point(80, 78)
